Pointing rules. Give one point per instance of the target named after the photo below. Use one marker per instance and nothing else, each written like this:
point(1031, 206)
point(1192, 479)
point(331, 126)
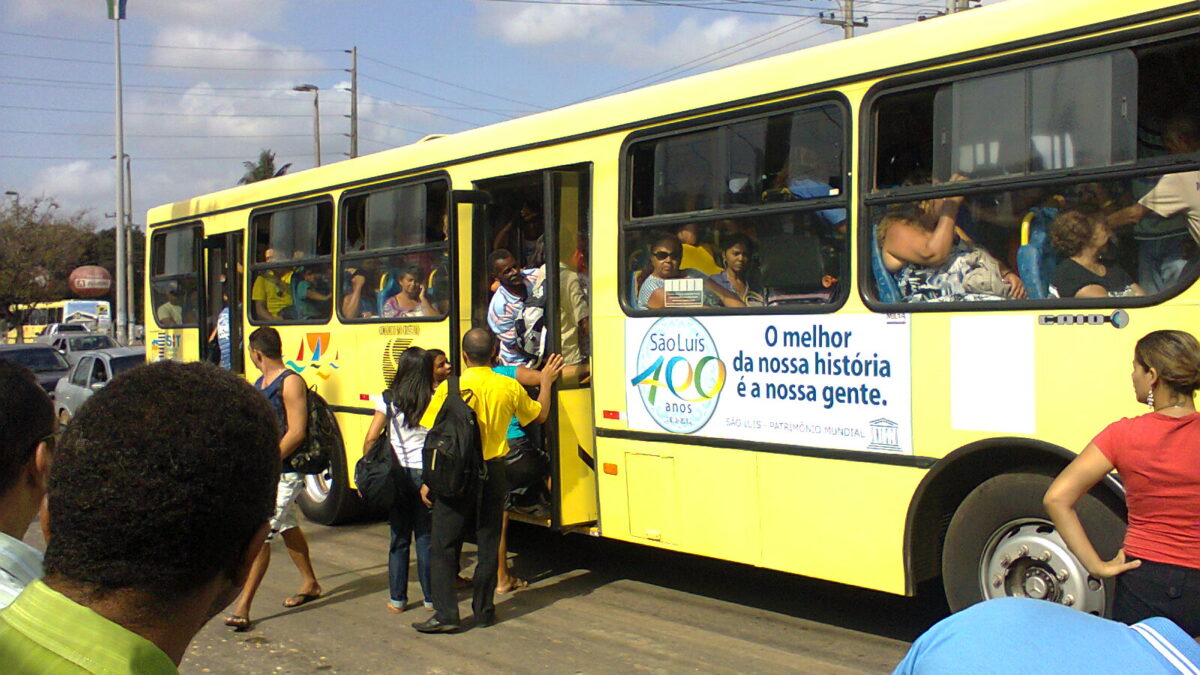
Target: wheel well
point(960, 472)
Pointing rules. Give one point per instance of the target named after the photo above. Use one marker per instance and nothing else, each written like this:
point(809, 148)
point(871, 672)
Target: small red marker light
point(364, 397)
point(610, 469)
point(612, 414)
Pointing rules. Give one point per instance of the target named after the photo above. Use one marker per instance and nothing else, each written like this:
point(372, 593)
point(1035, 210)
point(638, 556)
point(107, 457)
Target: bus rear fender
point(953, 477)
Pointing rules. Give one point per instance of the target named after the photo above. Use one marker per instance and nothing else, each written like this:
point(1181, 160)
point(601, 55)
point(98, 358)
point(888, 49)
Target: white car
point(72, 345)
point(89, 374)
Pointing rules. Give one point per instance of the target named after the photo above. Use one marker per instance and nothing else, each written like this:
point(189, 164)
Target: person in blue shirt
point(1022, 635)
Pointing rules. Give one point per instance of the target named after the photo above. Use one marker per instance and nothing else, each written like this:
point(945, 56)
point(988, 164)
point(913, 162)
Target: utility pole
point(116, 12)
point(353, 102)
point(847, 21)
point(130, 285)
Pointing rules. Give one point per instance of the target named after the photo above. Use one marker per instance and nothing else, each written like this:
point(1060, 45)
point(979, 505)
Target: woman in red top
point(1158, 458)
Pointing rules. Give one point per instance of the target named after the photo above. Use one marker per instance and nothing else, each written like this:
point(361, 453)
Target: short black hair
point(266, 340)
point(478, 344)
point(161, 481)
point(26, 417)
point(496, 256)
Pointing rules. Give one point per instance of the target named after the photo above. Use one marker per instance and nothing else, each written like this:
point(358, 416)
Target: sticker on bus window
point(686, 292)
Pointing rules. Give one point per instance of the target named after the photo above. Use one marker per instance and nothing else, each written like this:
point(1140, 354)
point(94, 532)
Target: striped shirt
point(43, 631)
point(503, 311)
point(20, 565)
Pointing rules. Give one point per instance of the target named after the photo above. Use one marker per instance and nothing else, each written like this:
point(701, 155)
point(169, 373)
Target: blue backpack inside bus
point(1036, 260)
point(885, 284)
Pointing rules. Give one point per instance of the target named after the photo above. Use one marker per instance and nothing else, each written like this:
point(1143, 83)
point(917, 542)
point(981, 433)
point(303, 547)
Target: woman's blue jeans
point(410, 520)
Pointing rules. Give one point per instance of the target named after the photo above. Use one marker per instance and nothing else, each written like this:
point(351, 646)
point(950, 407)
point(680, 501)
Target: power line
point(451, 84)
point(273, 50)
point(127, 112)
point(278, 155)
point(393, 126)
point(439, 98)
point(25, 132)
point(155, 65)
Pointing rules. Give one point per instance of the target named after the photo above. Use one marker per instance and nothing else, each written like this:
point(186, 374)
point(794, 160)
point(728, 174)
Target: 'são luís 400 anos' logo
point(679, 374)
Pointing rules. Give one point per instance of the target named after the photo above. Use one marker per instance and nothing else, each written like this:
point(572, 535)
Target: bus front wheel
point(328, 498)
point(1000, 543)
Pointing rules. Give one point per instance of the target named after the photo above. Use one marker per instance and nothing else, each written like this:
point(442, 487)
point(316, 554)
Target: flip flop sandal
point(240, 624)
point(515, 584)
point(300, 599)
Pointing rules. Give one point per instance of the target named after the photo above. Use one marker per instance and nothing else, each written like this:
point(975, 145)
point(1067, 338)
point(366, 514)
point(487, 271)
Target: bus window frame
point(197, 227)
point(870, 198)
point(251, 252)
point(627, 223)
point(448, 245)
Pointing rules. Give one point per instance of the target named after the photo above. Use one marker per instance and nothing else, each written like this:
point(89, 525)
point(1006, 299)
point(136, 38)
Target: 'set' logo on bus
point(679, 374)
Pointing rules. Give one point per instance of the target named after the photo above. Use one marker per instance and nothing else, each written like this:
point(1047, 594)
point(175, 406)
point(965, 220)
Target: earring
point(1150, 399)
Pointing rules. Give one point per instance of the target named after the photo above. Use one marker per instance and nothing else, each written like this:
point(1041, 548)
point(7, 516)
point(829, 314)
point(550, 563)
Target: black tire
point(327, 498)
point(1001, 543)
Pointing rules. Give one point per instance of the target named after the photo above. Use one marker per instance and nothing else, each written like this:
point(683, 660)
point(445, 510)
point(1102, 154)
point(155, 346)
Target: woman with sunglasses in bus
point(1158, 458)
point(666, 253)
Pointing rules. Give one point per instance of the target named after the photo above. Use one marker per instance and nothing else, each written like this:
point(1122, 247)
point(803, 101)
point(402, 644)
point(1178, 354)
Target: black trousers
point(451, 518)
point(1159, 589)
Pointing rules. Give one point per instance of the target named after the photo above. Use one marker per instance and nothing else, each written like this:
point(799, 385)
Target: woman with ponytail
point(1158, 457)
point(401, 406)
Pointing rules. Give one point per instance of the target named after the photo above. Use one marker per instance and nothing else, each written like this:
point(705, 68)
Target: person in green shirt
point(159, 496)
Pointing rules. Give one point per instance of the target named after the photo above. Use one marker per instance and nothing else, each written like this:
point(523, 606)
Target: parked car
point(90, 373)
point(53, 330)
point(46, 363)
point(71, 345)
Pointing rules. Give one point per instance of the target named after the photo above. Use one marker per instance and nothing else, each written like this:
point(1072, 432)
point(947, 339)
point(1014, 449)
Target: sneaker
point(427, 604)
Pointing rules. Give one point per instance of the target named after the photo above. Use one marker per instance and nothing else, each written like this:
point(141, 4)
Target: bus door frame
point(222, 253)
point(552, 203)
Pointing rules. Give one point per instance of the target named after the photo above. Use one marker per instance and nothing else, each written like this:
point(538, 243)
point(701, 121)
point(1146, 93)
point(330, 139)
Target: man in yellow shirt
point(496, 399)
point(159, 497)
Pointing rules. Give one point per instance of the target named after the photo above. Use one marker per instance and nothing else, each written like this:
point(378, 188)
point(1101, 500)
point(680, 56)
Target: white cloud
point(190, 47)
point(549, 23)
point(78, 186)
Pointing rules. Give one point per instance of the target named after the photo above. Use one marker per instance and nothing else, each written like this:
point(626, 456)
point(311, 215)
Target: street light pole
point(120, 158)
point(316, 120)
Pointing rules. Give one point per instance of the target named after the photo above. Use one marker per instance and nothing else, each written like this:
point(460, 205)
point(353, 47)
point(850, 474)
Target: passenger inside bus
point(1080, 238)
point(314, 296)
point(737, 253)
point(170, 312)
point(271, 293)
point(697, 255)
point(364, 279)
point(411, 299)
point(656, 283)
point(933, 261)
point(522, 231)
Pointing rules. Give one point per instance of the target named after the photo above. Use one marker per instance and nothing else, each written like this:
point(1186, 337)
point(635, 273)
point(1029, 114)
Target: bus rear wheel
point(328, 498)
point(1001, 544)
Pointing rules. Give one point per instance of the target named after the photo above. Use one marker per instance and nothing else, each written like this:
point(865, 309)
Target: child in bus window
point(1081, 238)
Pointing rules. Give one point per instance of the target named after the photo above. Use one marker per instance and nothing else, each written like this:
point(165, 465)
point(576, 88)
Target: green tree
point(263, 169)
point(38, 250)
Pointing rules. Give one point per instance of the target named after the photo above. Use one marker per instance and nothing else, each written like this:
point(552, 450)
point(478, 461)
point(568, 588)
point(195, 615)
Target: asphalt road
point(593, 606)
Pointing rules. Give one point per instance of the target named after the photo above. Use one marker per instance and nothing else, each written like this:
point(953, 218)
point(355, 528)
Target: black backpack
point(375, 473)
point(453, 457)
point(321, 437)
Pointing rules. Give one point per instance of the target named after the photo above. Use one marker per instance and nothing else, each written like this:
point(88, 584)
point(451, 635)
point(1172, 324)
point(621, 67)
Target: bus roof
point(907, 46)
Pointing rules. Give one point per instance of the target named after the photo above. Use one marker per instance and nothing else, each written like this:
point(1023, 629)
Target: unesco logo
point(679, 374)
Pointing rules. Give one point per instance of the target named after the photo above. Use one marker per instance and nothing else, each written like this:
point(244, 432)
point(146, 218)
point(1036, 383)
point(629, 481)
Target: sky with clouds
point(208, 83)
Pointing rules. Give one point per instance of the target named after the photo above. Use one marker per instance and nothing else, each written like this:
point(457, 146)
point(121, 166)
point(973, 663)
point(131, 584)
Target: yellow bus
point(776, 380)
point(93, 315)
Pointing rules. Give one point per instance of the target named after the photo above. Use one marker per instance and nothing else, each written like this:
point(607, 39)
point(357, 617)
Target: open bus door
point(571, 443)
point(562, 199)
point(222, 291)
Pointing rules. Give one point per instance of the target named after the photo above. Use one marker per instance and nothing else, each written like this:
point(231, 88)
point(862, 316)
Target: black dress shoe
point(486, 620)
point(432, 625)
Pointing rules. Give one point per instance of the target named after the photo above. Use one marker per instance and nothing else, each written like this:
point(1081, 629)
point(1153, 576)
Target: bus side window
point(395, 254)
point(291, 278)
